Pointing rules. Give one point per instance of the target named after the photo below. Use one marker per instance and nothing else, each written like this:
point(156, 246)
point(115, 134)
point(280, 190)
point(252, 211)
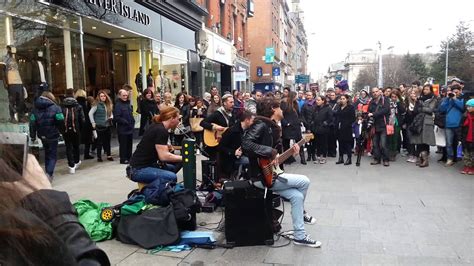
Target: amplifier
point(248, 216)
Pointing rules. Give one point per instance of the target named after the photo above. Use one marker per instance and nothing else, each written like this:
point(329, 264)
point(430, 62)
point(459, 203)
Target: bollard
point(189, 164)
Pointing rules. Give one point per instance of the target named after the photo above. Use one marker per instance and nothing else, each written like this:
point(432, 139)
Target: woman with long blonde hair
point(101, 117)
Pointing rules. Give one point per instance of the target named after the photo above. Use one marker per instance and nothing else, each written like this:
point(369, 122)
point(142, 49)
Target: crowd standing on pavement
point(403, 120)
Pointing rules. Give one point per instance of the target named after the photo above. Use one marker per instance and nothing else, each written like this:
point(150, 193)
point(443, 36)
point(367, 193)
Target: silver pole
point(380, 81)
point(447, 56)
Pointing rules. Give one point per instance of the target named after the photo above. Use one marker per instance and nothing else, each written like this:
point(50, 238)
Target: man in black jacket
point(230, 150)
point(220, 120)
point(379, 109)
point(261, 141)
point(74, 120)
point(123, 116)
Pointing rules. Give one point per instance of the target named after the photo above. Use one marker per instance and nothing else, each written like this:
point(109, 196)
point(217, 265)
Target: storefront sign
point(240, 75)
point(219, 49)
point(259, 71)
point(276, 71)
point(269, 55)
point(124, 10)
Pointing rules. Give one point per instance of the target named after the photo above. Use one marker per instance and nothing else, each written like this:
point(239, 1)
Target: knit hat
point(470, 103)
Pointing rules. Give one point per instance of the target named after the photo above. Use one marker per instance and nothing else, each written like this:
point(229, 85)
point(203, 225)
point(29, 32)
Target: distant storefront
point(96, 45)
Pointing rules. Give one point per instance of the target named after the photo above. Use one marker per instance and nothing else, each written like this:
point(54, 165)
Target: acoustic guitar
point(271, 171)
point(213, 137)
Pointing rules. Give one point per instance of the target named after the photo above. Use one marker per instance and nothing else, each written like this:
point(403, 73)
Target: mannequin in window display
point(138, 80)
point(149, 79)
point(166, 82)
point(176, 80)
point(39, 74)
point(3, 94)
point(16, 93)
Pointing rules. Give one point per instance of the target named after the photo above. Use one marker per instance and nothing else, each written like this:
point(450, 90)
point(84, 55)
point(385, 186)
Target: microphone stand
point(180, 128)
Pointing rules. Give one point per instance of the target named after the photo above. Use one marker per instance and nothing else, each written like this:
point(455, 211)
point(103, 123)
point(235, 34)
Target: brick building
point(226, 47)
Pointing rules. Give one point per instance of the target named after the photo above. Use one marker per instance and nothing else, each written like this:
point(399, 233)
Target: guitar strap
point(224, 115)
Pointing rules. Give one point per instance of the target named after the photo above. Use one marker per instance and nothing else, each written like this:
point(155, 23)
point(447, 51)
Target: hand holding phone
point(14, 151)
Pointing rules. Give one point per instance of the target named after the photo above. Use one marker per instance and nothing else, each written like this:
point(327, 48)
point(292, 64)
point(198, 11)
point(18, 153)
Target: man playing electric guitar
point(259, 141)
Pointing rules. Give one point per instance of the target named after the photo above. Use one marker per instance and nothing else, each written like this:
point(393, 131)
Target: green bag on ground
point(134, 208)
point(89, 217)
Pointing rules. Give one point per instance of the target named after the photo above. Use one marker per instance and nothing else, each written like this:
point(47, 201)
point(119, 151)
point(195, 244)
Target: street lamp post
point(446, 70)
point(380, 79)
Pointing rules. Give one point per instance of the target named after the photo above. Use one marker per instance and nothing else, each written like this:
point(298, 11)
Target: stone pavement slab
point(371, 215)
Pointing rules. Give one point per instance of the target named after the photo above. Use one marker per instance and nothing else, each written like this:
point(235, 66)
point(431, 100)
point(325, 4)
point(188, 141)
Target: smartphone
point(14, 151)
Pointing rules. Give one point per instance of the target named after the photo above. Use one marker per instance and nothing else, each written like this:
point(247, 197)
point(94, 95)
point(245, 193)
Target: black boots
point(303, 161)
point(309, 158)
point(341, 159)
point(348, 161)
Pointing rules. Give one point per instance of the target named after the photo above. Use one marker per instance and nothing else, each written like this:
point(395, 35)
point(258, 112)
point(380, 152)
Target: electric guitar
point(270, 171)
point(212, 137)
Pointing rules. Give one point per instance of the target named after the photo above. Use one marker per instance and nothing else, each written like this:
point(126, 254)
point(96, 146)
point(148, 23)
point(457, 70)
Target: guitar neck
point(287, 154)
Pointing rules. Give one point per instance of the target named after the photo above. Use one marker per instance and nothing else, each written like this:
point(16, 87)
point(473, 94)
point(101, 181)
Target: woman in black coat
point(291, 125)
point(148, 108)
point(345, 117)
point(86, 130)
point(321, 121)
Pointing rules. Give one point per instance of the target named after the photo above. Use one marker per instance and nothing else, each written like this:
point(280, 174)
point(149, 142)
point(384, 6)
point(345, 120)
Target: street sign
point(338, 77)
point(259, 71)
point(269, 55)
point(304, 79)
point(276, 71)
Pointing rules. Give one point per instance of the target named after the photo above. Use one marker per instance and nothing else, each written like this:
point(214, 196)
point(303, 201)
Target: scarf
point(311, 102)
point(411, 106)
point(469, 123)
point(393, 113)
point(364, 101)
point(426, 97)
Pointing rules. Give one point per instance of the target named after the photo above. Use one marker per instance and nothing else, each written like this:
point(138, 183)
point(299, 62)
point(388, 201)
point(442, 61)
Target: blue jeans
point(50, 155)
point(294, 189)
point(148, 175)
point(451, 134)
point(380, 146)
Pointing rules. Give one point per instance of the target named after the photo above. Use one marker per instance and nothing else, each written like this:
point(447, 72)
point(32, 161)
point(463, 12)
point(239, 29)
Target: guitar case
point(248, 216)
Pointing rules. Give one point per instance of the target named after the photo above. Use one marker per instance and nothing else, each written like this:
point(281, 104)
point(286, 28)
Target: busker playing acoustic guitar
point(260, 141)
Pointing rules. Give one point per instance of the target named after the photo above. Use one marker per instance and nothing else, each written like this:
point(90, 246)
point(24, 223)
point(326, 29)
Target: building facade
point(102, 44)
point(278, 49)
point(224, 46)
point(357, 61)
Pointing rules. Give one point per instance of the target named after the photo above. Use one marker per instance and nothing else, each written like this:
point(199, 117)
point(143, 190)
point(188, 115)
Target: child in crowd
point(468, 139)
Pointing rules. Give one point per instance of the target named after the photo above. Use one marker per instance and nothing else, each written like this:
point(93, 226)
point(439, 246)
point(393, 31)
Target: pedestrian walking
point(73, 122)
point(345, 118)
point(123, 117)
point(101, 115)
point(46, 121)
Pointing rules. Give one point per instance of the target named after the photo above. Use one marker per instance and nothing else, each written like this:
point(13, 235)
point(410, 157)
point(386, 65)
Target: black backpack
point(185, 205)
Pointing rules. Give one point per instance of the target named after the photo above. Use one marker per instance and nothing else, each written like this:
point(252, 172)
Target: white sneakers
point(72, 170)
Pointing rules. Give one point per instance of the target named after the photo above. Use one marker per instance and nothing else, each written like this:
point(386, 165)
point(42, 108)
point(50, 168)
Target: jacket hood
point(43, 102)
point(70, 102)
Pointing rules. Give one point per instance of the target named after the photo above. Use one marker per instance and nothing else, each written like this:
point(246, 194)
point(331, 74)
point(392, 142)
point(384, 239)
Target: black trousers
point(332, 142)
point(321, 145)
point(103, 142)
point(422, 147)
point(72, 140)
point(16, 99)
point(345, 147)
point(286, 146)
point(125, 147)
point(311, 147)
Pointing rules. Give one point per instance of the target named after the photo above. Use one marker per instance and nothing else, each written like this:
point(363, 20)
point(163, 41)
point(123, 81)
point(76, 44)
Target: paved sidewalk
point(371, 215)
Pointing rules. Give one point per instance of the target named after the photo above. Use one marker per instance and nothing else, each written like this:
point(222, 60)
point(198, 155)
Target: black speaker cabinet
point(248, 216)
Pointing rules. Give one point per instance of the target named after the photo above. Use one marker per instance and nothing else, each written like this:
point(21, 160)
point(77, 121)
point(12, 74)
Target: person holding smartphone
point(39, 225)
